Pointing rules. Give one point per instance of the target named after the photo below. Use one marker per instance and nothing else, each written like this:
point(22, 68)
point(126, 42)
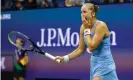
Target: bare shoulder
point(101, 25)
point(102, 28)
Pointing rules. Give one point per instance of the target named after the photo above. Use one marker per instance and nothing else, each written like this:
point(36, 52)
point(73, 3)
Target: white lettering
point(51, 35)
point(5, 16)
point(42, 39)
point(2, 63)
point(64, 39)
point(72, 39)
point(113, 34)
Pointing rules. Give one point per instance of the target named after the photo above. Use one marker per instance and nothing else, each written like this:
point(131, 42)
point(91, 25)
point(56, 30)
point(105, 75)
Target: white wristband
point(87, 32)
point(66, 58)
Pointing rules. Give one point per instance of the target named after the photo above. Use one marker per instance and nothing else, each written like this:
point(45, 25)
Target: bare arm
point(97, 38)
point(77, 52)
point(81, 48)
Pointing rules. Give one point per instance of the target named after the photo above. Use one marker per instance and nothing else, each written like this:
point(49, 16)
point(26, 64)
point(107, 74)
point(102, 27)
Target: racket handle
point(52, 57)
point(49, 56)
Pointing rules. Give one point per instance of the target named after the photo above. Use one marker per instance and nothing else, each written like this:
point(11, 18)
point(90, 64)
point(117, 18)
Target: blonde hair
point(94, 7)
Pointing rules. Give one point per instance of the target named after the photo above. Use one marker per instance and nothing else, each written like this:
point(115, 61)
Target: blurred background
point(54, 26)
point(7, 5)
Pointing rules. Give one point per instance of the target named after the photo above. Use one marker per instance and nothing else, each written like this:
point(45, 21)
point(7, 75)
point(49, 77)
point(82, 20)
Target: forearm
point(91, 46)
point(75, 53)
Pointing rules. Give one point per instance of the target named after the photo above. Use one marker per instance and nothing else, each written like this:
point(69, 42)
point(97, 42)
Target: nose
point(82, 15)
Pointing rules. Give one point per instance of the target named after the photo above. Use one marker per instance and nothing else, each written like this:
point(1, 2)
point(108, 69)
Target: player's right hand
point(59, 59)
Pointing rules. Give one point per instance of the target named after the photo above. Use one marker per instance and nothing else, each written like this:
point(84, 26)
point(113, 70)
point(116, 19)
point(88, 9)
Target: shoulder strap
point(93, 29)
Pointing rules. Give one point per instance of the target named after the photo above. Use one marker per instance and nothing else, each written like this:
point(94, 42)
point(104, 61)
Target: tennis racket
point(29, 45)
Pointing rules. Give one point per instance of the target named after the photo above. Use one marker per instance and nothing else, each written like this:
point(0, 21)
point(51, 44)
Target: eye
point(84, 11)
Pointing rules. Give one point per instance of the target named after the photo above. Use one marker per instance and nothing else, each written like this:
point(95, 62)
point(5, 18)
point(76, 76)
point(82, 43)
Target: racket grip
point(52, 57)
point(49, 56)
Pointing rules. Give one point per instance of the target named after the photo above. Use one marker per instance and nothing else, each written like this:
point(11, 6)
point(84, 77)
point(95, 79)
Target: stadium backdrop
point(56, 31)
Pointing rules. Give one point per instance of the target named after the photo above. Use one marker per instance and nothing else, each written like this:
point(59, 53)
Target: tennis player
point(95, 36)
point(20, 60)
